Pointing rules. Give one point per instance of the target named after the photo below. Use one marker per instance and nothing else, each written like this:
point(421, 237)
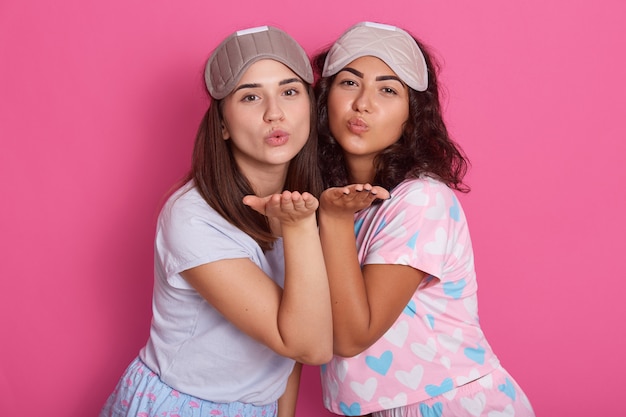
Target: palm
point(351, 198)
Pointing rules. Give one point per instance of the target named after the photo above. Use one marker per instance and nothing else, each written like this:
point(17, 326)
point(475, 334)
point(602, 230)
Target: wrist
point(335, 216)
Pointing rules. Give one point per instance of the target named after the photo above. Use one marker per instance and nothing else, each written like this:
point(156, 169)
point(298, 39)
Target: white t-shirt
point(192, 347)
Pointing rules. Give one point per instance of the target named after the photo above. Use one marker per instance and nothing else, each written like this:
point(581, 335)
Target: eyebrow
point(379, 78)
point(257, 85)
point(353, 71)
point(389, 77)
point(290, 80)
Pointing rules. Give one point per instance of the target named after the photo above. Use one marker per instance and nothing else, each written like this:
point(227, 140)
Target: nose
point(363, 101)
point(273, 111)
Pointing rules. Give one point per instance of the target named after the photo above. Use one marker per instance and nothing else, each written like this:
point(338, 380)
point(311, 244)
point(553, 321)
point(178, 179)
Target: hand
point(287, 207)
point(351, 198)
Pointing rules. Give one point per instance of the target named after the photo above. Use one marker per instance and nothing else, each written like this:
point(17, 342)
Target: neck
point(268, 182)
point(360, 170)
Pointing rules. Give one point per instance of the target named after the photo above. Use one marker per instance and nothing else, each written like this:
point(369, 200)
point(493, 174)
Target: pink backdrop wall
point(99, 103)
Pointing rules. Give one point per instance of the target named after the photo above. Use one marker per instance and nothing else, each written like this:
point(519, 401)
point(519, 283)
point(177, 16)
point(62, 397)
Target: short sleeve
point(190, 233)
point(416, 227)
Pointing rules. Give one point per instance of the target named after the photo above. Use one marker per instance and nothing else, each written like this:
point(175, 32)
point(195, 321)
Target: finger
point(340, 192)
point(381, 193)
point(275, 201)
point(310, 202)
point(285, 196)
point(370, 192)
point(365, 193)
point(297, 200)
point(349, 197)
point(248, 200)
point(255, 203)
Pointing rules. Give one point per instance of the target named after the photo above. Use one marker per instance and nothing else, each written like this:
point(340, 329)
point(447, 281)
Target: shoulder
point(187, 203)
point(422, 184)
point(421, 191)
point(190, 233)
point(427, 197)
point(186, 197)
point(186, 215)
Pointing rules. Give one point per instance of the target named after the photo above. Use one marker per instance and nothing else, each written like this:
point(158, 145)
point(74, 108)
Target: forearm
point(349, 300)
point(288, 401)
point(304, 317)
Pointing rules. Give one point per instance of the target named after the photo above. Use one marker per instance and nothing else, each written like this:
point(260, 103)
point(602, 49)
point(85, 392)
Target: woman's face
point(267, 118)
point(368, 105)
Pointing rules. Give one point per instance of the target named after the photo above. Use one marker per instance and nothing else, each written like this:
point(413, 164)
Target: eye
point(291, 92)
point(250, 97)
point(389, 90)
point(348, 83)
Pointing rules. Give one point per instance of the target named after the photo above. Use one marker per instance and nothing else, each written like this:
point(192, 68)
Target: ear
point(225, 132)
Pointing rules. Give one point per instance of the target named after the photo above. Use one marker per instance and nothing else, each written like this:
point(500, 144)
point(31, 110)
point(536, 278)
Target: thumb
point(255, 203)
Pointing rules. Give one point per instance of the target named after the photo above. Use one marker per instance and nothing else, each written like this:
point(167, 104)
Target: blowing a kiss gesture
point(345, 201)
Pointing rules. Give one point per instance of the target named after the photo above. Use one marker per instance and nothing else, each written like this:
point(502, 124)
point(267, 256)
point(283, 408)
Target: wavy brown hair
point(425, 147)
point(223, 186)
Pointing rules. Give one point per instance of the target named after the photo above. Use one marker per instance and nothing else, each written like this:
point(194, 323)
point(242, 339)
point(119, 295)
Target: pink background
point(99, 104)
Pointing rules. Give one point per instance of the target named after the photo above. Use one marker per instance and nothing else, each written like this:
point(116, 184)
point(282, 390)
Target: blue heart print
point(382, 224)
point(412, 240)
point(353, 410)
point(434, 390)
point(435, 411)
point(476, 354)
point(357, 226)
point(323, 367)
point(455, 210)
point(431, 320)
point(454, 289)
point(382, 364)
point(508, 389)
point(409, 310)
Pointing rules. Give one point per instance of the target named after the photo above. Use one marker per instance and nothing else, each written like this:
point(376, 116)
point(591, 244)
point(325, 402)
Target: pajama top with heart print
point(436, 344)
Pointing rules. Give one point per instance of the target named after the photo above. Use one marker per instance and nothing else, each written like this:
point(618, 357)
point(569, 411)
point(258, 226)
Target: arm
point(365, 302)
point(295, 322)
point(287, 402)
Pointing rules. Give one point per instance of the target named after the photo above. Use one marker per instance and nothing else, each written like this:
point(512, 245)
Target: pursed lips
point(357, 125)
point(277, 137)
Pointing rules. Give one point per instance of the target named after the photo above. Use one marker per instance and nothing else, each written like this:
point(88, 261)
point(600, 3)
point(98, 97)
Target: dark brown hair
point(425, 147)
point(222, 185)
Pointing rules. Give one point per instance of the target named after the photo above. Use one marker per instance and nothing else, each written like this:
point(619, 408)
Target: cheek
point(304, 123)
point(335, 107)
point(298, 109)
point(334, 120)
point(299, 119)
point(399, 118)
point(306, 111)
